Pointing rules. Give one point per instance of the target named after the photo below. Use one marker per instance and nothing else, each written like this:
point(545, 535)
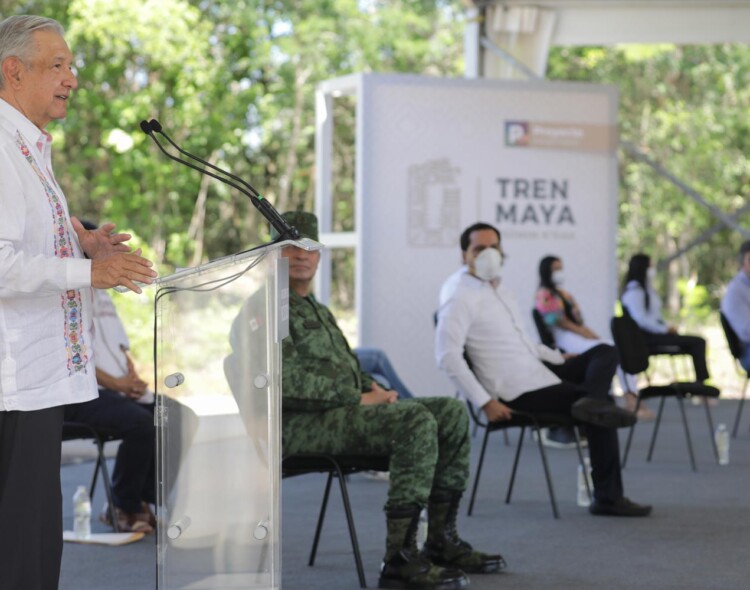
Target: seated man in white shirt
point(125, 408)
point(480, 317)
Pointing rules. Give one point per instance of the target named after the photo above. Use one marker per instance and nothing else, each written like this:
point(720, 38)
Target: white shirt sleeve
point(736, 308)
point(454, 321)
point(22, 272)
point(634, 298)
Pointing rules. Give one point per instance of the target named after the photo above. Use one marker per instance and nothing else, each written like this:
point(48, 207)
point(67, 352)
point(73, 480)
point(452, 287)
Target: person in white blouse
point(644, 305)
point(479, 316)
point(45, 299)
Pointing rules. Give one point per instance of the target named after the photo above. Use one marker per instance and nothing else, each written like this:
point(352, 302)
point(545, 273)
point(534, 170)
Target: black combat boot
point(403, 565)
point(444, 547)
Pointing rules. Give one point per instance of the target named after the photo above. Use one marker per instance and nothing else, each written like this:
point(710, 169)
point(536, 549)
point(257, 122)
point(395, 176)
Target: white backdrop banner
point(536, 159)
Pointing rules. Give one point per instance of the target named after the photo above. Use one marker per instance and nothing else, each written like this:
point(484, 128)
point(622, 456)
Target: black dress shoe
point(619, 507)
point(605, 414)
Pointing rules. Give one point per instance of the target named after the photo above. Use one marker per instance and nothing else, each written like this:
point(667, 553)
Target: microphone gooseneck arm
point(266, 209)
point(156, 126)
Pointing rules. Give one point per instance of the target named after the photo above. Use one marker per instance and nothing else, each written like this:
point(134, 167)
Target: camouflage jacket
point(320, 372)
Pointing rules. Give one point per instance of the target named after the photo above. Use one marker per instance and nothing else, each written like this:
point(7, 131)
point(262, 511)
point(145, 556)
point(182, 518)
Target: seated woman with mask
point(644, 305)
point(564, 320)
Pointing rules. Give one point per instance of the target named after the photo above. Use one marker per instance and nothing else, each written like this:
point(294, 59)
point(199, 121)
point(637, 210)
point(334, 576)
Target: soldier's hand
point(121, 269)
point(377, 395)
point(497, 411)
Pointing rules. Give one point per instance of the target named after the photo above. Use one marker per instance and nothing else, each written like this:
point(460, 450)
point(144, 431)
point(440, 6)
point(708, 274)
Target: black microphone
point(269, 212)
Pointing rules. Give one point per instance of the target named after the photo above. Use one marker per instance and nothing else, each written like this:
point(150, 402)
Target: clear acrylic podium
point(217, 354)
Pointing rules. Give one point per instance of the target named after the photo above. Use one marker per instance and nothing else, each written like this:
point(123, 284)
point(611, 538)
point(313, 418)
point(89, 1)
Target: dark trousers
point(695, 346)
point(30, 499)
point(586, 375)
point(133, 478)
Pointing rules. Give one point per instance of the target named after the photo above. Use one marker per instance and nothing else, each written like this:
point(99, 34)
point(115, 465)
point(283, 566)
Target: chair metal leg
point(474, 430)
point(656, 429)
point(627, 447)
point(710, 419)
point(582, 463)
point(687, 432)
point(352, 530)
point(630, 436)
point(101, 463)
point(547, 475)
point(515, 464)
point(739, 409)
point(479, 471)
point(321, 518)
point(95, 474)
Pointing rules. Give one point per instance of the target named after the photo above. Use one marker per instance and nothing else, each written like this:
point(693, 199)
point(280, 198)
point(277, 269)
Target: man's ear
point(12, 70)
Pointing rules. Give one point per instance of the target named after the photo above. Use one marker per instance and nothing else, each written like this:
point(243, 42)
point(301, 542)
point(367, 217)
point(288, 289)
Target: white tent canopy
point(527, 30)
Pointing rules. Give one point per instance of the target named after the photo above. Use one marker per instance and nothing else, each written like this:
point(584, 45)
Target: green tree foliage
point(234, 81)
point(231, 80)
point(687, 108)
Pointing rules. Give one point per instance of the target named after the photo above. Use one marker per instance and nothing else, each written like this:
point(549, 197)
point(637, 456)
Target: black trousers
point(30, 499)
point(695, 346)
point(586, 375)
point(134, 475)
point(133, 478)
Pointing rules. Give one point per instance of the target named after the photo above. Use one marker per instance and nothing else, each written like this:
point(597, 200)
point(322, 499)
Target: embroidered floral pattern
point(71, 301)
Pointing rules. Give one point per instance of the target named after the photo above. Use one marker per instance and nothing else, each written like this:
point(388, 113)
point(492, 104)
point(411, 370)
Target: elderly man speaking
point(45, 299)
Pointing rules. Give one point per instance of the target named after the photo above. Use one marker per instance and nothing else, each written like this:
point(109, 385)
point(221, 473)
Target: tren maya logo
point(517, 133)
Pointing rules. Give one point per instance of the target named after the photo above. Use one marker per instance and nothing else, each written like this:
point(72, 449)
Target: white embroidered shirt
point(45, 282)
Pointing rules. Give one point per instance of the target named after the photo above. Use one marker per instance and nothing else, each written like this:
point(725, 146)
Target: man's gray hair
point(17, 37)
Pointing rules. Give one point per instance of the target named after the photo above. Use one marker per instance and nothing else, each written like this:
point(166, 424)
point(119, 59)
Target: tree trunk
point(197, 221)
point(285, 181)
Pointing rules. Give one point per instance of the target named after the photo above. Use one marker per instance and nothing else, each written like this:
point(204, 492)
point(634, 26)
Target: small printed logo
point(434, 194)
point(517, 133)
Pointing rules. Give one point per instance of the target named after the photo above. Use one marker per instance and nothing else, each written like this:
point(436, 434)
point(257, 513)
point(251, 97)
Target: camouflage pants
point(427, 440)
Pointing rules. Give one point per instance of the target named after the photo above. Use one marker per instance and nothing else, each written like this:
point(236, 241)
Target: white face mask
point(487, 264)
point(558, 278)
point(651, 274)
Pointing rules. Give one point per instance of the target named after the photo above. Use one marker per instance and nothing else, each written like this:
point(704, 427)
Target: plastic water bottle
point(584, 474)
point(82, 513)
point(422, 528)
point(722, 443)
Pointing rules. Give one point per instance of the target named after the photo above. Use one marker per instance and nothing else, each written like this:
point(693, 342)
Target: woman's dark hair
point(637, 268)
point(545, 280)
point(545, 272)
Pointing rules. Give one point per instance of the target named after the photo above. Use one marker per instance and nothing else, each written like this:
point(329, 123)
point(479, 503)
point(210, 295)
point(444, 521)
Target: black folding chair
point(339, 466)
point(79, 430)
point(735, 347)
point(335, 466)
point(634, 359)
point(523, 421)
point(672, 351)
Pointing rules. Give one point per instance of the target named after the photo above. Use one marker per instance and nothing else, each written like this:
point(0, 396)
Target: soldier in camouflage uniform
point(329, 405)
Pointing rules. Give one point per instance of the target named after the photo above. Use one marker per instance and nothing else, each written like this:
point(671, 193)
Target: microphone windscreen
point(145, 127)
point(155, 125)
